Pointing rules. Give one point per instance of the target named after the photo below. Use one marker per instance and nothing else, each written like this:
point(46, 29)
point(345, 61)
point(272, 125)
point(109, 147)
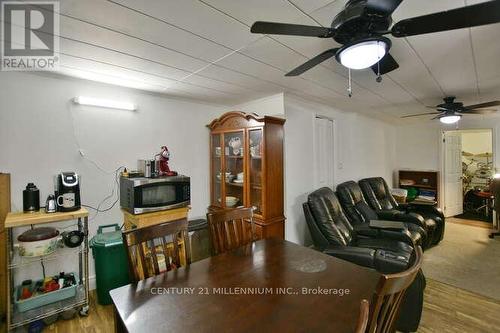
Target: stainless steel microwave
point(144, 195)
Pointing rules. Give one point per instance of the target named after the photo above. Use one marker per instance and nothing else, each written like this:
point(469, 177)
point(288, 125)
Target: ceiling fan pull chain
point(349, 88)
point(379, 77)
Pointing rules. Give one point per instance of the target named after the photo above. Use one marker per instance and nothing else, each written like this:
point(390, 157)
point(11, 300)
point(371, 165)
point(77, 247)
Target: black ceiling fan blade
point(385, 7)
point(273, 28)
point(479, 111)
point(420, 114)
point(387, 64)
point(483, 105)
point(312, 62)
point(464, 17)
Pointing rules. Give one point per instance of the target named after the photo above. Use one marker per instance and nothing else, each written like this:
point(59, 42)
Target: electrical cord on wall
point(114, 191)
point(116, 185)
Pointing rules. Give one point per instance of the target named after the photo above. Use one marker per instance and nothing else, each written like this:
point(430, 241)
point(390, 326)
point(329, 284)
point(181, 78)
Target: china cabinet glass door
point(255, 169)
point(216, 154)
point(234, 167)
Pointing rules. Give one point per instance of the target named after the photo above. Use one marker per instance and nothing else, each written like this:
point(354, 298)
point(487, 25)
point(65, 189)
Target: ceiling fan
point(361, 27)
point(450, 111)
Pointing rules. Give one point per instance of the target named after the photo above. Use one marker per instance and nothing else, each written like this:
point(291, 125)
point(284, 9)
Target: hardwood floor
point(450, 309)
point(99, 320)
point(447, 309)
point(473, 223)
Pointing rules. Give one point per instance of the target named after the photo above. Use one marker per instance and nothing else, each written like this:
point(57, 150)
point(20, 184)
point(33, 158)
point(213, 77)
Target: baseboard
point(92, 285)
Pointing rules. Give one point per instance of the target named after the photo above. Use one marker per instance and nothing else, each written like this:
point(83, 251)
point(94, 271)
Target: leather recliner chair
point(379, 197)
point(332, 235)
point(360, 213)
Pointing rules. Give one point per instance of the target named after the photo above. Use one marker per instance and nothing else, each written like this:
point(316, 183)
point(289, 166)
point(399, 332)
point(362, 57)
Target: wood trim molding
point(4, 210)
point(227, 118)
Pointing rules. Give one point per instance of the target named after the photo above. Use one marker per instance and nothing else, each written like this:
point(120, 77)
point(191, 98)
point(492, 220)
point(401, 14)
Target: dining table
point(268, 285)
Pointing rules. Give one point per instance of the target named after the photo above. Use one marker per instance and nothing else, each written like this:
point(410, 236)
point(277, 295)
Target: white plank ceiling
point(203, 49)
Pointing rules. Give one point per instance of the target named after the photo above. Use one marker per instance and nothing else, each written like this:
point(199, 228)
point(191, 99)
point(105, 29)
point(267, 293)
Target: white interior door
point(324, 149)
point(453, 196)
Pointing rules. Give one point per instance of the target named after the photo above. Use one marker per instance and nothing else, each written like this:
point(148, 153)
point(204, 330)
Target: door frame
point(442, 170)
point(335, 148)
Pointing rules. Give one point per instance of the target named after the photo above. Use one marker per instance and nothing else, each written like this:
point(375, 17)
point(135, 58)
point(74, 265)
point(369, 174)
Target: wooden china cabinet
point(246, 168)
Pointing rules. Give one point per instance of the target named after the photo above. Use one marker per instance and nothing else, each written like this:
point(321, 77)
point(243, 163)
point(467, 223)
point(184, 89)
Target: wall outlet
point(341, 165)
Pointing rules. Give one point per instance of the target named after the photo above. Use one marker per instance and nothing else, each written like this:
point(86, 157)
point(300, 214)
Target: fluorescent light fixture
point(104, 103)
point(364, 53)
point(451, 119)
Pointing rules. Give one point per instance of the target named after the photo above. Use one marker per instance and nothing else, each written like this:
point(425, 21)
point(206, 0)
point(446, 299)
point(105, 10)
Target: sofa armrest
point(388, 225)
point(383, 261)
point(365, 230)
point(389, 214)
point(357, 255)
point(406, 217)
point(388, 262)
point(400, 233)
point(426, 209)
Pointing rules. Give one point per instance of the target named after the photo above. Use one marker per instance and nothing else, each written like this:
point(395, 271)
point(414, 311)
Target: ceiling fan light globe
point(450, 119)
point(363, 55)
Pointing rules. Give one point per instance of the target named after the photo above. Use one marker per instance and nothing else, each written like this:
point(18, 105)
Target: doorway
point(468, 170)
point(324, 152)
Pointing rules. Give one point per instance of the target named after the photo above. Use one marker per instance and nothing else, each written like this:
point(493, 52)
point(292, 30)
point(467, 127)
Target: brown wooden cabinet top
point(238, 119)
point(218, 303)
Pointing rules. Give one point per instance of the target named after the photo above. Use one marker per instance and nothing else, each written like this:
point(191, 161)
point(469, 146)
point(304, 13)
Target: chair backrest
point(377, 193)
point(319, 240)
point(364, 313)
point(329, 217)
point(230, 229)
point(495, 190)
point(389, 294)
point(156, 249)
point(354, 204)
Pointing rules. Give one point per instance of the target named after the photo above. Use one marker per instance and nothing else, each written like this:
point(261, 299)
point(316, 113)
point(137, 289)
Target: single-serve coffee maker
point(68, 192)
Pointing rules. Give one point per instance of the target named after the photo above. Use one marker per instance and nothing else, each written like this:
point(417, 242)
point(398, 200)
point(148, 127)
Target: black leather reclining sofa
point(359, 214)
point(379, 197)
point(333, 234)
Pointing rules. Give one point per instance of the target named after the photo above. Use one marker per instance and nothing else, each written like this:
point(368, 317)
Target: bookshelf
point(424, 182)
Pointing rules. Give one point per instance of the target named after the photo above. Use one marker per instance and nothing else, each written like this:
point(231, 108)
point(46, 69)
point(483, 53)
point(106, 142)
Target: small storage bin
point(110, 259)
point(399, 194)
point(199, 239)
point(43, 299)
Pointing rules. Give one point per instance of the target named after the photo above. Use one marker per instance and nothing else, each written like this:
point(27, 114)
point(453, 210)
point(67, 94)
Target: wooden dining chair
point(389, 294)
point(156, 249)
point(364, 312)
point(230, 229)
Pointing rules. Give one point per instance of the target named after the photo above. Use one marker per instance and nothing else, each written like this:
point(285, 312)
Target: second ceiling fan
point(452, 111)
point(361, 26)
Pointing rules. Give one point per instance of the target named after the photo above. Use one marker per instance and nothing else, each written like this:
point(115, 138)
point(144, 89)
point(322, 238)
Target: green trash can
point(110, 258)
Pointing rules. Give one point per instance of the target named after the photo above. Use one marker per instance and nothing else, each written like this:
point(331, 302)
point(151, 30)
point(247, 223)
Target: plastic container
point(110, 259)
point(199, 239)
point(43, 299)
point(399, 194)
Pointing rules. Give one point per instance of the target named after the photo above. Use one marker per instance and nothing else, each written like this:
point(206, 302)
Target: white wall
point(365, 147)
point(477, 142)
point(41, 131)
point(38, 140)
point(417, 144)
point(273, 105)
